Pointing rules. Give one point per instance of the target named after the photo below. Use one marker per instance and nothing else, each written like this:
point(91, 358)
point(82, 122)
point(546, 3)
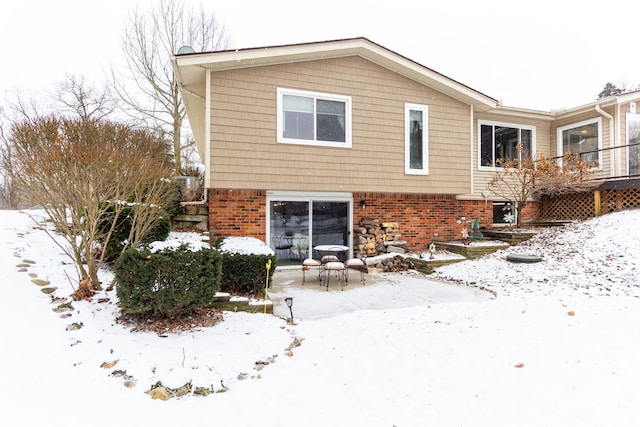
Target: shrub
point(173, 206)
point(173, 281)
point(159, 232)
point(244, 261)
point(72, 167)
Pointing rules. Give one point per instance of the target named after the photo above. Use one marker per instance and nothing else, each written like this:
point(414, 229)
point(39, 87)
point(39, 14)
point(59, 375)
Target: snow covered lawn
point(544, 344)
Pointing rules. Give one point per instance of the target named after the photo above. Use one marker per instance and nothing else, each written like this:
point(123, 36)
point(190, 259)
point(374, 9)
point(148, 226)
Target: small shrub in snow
point(173, 281)
point(244, 261)
point(122, 229)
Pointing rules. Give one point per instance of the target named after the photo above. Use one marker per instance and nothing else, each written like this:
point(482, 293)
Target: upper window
point(416, 137)
point(498, 142)
point(314, 118)
point(584, 137)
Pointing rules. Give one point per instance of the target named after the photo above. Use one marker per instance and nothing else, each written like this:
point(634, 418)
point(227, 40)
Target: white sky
point(544, 56)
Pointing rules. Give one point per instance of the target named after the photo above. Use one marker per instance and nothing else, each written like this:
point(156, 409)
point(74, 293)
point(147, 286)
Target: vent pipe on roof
point(185, 50)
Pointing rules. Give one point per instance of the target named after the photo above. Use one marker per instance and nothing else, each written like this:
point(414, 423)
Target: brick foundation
point(419, 216)
point(237, 213)
point(531, 212)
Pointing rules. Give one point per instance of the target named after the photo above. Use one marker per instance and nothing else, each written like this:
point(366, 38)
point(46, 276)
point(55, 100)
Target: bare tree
point(76, 96)
point(8, 189)
point(147, 85)
point(525, 177)
point(568, 174)
point(84, 173)
point(23, 106)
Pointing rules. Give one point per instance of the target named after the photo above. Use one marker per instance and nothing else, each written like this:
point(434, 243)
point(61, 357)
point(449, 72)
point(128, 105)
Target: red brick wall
point(419, 216)
point(237, 213)
point(531, 212)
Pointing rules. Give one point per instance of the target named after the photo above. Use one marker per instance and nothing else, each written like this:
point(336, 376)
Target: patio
point(381, 291)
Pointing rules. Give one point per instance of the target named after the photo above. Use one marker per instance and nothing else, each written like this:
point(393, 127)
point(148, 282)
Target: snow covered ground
point(507, 344)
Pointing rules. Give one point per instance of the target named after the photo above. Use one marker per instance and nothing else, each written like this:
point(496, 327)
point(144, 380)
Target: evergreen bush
point(158, 233)
point(172, 282)
point(244, 262)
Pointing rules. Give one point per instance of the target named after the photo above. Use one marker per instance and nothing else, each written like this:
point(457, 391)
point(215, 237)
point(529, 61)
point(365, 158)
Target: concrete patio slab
point(381, 291)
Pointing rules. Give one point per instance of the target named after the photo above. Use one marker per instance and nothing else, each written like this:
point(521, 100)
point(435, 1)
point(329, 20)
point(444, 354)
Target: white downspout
point(612, 138)
point(471, 162)
point(207, 136)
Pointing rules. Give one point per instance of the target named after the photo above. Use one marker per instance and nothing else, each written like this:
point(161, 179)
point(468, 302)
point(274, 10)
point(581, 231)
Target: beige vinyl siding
point(245, 152)
point(482, 178)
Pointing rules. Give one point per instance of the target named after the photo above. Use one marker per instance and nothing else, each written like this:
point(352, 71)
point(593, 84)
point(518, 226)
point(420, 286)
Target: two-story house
point(300, 142)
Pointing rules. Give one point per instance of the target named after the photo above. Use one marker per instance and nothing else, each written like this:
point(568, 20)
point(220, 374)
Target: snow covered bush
point(121, 231)
point(244, 264)
point(173, 281)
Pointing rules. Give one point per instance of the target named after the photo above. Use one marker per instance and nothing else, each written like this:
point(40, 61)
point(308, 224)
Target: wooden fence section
point(568, 206)
point(605, 199)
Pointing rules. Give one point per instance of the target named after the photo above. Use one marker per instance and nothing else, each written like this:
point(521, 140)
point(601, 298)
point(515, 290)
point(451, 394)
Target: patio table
point(339, 251)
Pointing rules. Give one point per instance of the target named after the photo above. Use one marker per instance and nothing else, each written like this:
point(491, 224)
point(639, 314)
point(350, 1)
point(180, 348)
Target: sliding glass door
point(330, 224)
point(297, 222)
point(289, 226)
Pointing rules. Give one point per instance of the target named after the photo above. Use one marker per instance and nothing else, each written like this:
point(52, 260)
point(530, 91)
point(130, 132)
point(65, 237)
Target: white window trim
point(503, 124)
point(407, 139)
point(309, 197)
point(559, 131)
point(328, 96)
point(630, 117)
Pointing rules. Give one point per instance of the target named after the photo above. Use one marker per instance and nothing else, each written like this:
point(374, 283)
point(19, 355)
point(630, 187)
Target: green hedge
point(173, 282)
point(243, 271)
point(158, 233)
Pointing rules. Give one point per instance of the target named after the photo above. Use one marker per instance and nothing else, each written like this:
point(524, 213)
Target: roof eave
point(257, 57)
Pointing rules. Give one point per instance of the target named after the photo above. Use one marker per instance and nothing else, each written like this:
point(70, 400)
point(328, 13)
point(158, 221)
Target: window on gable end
point(416, 137)
point(313, 118)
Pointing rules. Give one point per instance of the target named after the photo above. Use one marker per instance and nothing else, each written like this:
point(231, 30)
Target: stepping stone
point(39, 282)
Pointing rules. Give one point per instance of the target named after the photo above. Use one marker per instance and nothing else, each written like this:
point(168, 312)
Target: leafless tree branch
point(147, 86)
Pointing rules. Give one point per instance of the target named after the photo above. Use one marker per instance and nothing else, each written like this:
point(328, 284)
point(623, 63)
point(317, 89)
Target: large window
point(633, 137)
point(583, 137)
point(416, 135)
point(498, 142)
point(314, 118)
